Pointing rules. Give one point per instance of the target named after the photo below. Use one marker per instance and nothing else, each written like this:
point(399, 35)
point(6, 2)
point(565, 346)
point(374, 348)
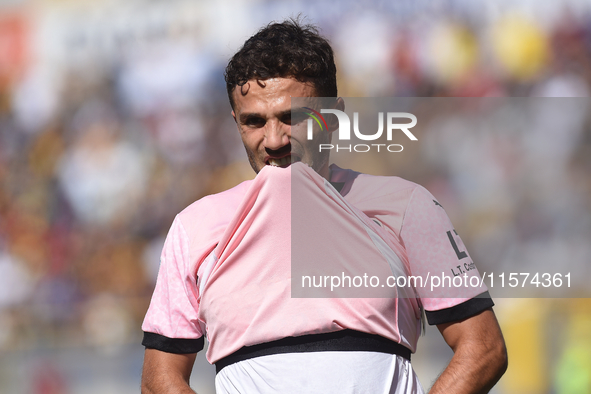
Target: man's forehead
point(273, 90)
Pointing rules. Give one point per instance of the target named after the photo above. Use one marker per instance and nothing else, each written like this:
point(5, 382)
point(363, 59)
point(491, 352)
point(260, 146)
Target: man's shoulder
point(398, 193)
point(367, 186)
point(388, 183)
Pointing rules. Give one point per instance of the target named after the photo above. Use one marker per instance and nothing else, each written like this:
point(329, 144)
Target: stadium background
point(113, 117)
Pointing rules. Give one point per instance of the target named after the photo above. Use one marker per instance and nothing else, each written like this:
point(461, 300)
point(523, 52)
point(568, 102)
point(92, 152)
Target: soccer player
point(225, 268)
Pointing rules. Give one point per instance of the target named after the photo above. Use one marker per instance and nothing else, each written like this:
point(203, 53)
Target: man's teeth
point(280, 162)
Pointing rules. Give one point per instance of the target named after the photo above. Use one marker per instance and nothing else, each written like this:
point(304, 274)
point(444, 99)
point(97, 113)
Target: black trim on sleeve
point(172, 345)
point(462, 311)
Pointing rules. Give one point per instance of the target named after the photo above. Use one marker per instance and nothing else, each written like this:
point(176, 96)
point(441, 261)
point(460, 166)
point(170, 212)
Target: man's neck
point(325, 172)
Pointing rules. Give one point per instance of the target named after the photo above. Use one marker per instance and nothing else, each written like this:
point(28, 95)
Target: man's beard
point(251, 160)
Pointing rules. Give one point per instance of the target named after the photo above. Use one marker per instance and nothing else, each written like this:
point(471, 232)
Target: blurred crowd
point(100, 151)
point(87, 198)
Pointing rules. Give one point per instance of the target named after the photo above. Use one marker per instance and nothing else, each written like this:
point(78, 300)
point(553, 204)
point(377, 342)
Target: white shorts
point(342, 372)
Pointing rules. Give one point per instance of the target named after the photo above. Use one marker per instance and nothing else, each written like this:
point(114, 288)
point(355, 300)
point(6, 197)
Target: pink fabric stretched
point(247, 297)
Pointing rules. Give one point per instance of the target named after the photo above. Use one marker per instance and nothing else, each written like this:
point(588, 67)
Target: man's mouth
point(282, 162)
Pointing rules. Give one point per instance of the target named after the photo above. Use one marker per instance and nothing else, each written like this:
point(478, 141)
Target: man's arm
point(167, 372)
point(480, 355)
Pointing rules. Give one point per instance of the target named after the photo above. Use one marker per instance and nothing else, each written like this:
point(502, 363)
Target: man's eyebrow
point(249, 115)
point(283, 114)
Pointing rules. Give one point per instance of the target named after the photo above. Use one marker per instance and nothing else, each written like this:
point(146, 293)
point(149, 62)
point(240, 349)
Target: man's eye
point(254, 122)
point(296, 117)
point(286, 119)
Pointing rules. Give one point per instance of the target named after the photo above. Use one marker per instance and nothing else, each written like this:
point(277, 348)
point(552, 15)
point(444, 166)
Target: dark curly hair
point(287, 49)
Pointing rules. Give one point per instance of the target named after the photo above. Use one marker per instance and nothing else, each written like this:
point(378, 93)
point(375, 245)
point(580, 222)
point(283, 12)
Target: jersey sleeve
point(449, 287)
point(171, 323)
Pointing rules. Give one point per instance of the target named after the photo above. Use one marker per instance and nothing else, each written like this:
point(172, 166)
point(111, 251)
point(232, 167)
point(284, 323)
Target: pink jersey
point(226, 265)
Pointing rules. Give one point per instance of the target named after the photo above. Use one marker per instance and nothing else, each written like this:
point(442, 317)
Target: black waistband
point(344, 340)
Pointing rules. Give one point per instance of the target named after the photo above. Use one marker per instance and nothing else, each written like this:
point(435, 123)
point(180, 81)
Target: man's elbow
point(145, 386)
point(498, 359)
point(151, 384)
point(504, 360)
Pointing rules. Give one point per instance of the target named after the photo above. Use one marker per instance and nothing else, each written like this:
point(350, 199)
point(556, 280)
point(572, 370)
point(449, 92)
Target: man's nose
point(276, 136)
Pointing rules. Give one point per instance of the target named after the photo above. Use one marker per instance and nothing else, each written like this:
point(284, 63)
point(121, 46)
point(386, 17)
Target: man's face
point(262, 110)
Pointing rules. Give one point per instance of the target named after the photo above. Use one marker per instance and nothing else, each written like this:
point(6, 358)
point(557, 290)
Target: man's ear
point(340, 104)
point(332, 121)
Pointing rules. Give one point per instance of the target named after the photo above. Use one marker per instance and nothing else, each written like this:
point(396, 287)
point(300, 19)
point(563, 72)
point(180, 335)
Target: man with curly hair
point(225, 268)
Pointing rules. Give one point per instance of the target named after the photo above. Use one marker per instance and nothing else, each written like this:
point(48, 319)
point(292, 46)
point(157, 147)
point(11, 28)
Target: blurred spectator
point(16, 283)
point(107, 324)
point(103, 176)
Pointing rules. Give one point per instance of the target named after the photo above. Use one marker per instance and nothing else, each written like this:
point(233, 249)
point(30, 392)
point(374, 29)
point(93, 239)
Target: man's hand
point(167, 372)
point(480, 355)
